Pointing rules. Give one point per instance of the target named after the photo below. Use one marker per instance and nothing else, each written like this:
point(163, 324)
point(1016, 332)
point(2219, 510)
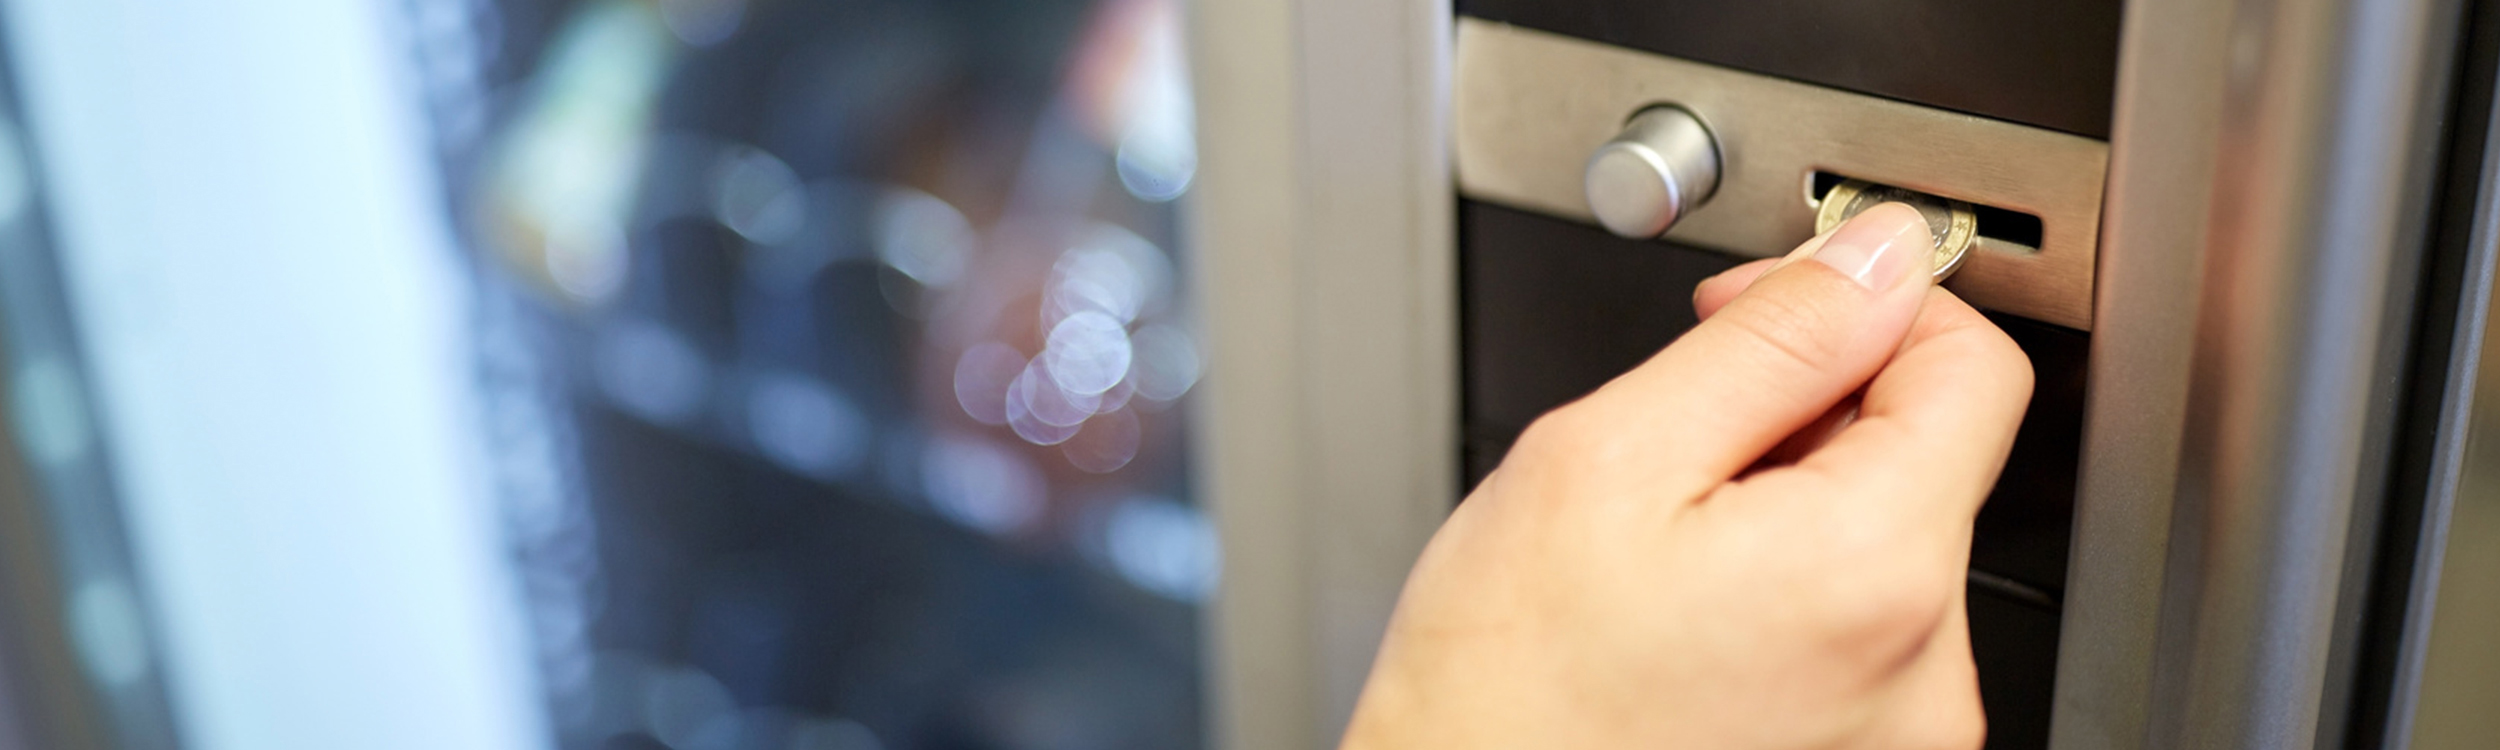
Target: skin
point(1709, 552)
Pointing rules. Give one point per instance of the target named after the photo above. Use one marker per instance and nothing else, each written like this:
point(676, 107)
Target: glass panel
point(701, 374)
point(860, 323)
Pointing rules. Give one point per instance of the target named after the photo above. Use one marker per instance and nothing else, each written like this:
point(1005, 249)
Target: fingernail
point(1880, 246)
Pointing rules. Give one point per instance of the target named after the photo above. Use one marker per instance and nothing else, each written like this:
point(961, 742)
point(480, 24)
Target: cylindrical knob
point(1662, 167)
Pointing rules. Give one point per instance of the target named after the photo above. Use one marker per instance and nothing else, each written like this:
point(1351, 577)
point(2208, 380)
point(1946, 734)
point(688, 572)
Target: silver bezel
point(1327, 426)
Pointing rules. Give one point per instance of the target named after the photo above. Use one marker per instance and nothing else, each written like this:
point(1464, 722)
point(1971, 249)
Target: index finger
point(1804, 336)
point(1938, 421)
point(1715, 292)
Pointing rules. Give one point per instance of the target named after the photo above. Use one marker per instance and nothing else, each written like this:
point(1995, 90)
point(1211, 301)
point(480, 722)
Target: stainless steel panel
point(2173, 67)
point(2267, 197)
point(2448, 672)
point(1528, 108)
point(2320, 199)
point(1328, 275)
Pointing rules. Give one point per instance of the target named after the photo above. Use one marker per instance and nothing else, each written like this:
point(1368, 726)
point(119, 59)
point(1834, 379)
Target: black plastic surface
point(2050, 63)
point(2015, 645)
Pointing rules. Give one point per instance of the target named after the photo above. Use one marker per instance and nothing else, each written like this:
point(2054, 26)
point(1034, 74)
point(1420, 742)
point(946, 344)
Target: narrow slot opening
point(1820, 185)
point(2009, 227)
point(2006, 226)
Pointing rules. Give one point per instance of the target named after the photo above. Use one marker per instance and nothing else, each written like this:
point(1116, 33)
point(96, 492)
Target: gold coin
point(1954, 223)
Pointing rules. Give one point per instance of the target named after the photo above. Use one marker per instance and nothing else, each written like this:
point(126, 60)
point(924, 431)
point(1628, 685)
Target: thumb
point(1813, 330)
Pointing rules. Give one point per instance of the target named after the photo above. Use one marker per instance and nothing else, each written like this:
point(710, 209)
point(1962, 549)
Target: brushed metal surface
point(2268, 194)
point(1328, 426)
point(2456, 659)
point(2174, 66)
point(2323, 168)
point(2449, 675)
point(1528, 107)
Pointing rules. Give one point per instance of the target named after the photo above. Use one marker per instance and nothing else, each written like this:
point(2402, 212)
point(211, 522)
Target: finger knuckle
point(1958, 724)
point(1881, 601)
point(1887, 615)
point(1559, 438)
point(1794, 332)
point(2019, 375)
point(1991, 350)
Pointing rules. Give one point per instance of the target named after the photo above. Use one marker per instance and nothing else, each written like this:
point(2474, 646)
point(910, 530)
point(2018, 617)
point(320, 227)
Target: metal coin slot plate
point(1529, 107)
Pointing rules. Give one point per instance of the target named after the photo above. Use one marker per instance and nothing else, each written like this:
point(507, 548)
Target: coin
point(1954, 223)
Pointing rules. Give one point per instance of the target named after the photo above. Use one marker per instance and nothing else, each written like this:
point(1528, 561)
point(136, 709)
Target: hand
point(1636, 575)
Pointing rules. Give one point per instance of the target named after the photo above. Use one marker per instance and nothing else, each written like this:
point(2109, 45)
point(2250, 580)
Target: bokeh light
point(1163, 547)
point(806, 425)
point(757, 196)
point(982, 377)
point(652, 372)
point(922, 236)
point(16, 186)
point(1111, 271)
point(1166, 364)
point(106, 625)
point(688, 709)
point(1107, 442)
point(702, 23)
point(982, 485)
point(50, 410)
point(814, 376)
point(1088, 353)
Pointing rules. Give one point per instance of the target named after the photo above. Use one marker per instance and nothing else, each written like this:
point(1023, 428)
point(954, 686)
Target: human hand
point(1636, 574)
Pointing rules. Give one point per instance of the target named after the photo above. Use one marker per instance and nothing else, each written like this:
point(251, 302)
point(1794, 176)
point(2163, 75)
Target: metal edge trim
point(1328, 432)
point(2253, 268)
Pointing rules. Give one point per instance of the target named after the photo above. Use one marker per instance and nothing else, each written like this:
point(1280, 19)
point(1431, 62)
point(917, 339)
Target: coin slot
point(2006, 228)
point(1820, 184)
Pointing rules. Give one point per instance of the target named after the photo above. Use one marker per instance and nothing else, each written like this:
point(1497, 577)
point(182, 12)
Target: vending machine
point(2244, 244)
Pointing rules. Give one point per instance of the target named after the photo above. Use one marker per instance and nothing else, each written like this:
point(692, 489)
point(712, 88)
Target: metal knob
point(1661, 168)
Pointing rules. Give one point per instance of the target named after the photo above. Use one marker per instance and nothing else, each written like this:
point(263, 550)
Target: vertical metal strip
point(1244, 213)
point(2454, 658)
point(1329, 432)
point(2446, 663)
point(2172, 63)
point(2249, 490)
point(2462, 424)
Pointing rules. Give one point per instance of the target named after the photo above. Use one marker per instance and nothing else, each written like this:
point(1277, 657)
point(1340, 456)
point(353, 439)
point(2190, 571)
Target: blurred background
point(693, 374)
